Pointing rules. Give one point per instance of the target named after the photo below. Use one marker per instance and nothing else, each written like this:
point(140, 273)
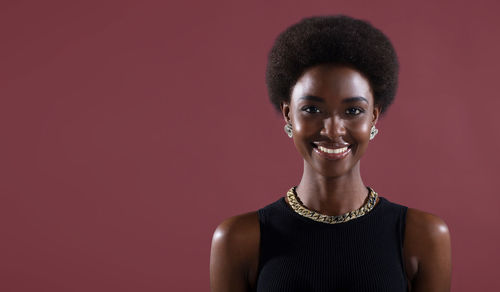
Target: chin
point(329, 170)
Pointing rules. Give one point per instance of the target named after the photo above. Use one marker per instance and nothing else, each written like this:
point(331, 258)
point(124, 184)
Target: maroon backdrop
point(130, 129)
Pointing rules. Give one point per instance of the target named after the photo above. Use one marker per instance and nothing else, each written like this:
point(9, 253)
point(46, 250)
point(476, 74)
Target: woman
point(331, 78)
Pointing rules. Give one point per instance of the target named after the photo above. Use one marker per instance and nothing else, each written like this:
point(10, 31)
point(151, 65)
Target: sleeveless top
point(302, 255)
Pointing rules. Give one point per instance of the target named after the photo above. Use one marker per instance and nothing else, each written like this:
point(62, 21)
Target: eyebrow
point(345, 100)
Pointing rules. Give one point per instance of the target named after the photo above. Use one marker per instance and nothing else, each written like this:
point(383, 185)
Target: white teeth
point(336, 151)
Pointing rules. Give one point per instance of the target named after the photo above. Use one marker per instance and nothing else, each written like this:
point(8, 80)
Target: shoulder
point(427, 249)
point(237, 230)
point(235, 252)
point(425, 230)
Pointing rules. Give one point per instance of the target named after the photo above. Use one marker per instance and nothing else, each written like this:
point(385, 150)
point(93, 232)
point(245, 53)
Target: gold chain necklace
point(300, 209)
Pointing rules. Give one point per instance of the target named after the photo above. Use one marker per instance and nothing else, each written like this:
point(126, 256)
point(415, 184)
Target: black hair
point(335, 39)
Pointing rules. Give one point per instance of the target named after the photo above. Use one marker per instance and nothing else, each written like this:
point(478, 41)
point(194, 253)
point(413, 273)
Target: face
point(331, 110)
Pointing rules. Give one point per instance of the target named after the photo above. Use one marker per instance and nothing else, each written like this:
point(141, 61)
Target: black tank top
point(302, 255)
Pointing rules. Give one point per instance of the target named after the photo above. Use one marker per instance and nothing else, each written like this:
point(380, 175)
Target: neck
point(332, 195)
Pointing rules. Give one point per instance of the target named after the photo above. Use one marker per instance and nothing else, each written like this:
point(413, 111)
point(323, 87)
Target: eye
point(354, 111)
point(311, 109)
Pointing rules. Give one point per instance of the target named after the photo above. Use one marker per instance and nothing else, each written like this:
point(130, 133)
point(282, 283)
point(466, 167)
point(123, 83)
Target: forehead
point(332, 81)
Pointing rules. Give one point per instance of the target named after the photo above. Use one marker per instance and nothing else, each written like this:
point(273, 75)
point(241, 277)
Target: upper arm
point(234, 254)
point(427, 252)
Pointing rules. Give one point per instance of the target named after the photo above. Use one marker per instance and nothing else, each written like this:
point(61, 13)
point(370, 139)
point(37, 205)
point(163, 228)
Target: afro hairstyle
point(335, 39)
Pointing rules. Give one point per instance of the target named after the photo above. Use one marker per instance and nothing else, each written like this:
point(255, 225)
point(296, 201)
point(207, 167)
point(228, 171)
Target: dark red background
point(130, 129)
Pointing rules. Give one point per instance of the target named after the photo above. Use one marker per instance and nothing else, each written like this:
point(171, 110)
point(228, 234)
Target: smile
point(331, 153)
point(336, 151)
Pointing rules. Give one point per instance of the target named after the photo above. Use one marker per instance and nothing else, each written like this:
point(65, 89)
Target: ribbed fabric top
point(300, 254)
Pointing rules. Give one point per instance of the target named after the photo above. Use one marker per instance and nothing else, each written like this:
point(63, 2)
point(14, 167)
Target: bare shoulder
point(234, 253)
point(427, 249)
point(241, 232)
point(426, 224)
point(233, 225)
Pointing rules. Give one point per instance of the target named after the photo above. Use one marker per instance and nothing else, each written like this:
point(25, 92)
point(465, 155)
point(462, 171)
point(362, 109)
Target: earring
point(288, 130)
point(373, 132)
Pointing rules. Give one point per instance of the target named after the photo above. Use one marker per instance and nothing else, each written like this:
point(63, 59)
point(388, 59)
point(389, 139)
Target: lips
point(332, 152)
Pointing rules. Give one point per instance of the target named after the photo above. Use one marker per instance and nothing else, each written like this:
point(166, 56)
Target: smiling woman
point(331, 78)
point(331, 112)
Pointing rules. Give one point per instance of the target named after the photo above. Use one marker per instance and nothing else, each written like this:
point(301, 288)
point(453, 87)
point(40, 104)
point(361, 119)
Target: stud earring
point(288, 130)
point(373, 132)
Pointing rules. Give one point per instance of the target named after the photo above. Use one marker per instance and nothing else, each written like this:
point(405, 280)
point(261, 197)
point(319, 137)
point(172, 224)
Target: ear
point(376, 114)
point(285, 110)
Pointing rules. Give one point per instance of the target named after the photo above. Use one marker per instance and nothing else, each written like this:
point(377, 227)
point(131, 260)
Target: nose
point(333, 127)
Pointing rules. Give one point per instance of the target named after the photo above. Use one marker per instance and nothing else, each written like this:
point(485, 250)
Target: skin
point(331, 105)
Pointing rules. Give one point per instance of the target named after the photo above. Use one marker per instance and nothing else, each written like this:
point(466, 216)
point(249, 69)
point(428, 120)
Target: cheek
point(365, 128)
point(360, 129)
point(305, 126)
point(298, 126)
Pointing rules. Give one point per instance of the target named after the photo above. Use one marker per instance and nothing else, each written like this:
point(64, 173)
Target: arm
point(234, 254)
point(427, 251)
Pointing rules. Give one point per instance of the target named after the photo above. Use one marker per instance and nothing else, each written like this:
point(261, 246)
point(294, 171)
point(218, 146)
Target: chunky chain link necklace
point(300, 209)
